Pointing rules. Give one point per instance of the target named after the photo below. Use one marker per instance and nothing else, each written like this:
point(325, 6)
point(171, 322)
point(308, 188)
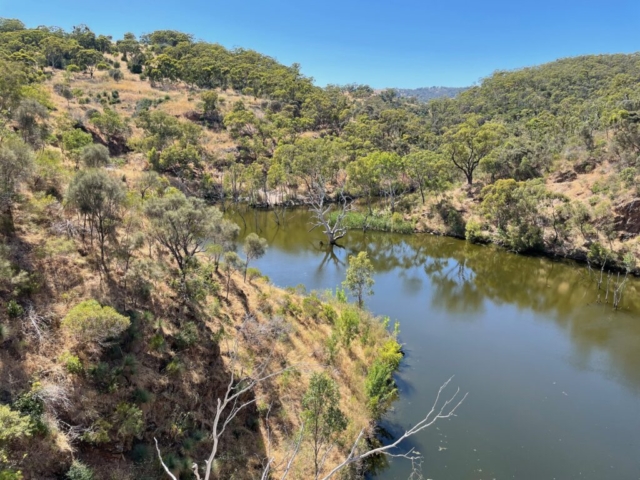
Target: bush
point(188, 335)
point(10, 475)
point(140, 395)
point(473, 232)
point(253, 273)
point(157, 342)
point(380, 387)
point(79, 471)
point(98, 433)
point(102, 66)
point(329, 314)
point(14, 309)
point(116, 74)
point(348, 324)
point(311, 307)
point(91, 322)
point(13, 425)
point(391, 353)
point(95, 155)
point(71, 363)
point(32, 406)
point(599, 255)
point(129, 420)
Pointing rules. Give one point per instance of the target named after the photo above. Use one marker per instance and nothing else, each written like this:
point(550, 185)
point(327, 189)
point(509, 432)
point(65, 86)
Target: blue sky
point(399, 43)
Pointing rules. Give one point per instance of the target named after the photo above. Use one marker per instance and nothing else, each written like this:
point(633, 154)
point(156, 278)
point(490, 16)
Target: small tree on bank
point(359, 279)
point(322, 416)
point(254, 247)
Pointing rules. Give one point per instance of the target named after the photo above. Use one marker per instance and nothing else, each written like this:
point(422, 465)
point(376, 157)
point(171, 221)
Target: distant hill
point(428, 93)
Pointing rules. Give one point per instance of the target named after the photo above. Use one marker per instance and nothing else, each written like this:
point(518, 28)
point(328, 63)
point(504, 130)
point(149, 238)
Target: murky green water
point(553, 376)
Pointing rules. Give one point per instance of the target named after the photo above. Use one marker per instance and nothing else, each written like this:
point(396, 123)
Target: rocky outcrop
point(564, 176)
point(116, 144)
point(628, 217)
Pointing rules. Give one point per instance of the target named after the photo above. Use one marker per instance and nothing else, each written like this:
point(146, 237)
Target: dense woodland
point(127, 313)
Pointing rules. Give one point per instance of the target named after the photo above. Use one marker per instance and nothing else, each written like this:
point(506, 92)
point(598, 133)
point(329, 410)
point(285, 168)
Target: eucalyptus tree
point(183, 226)
point(468, 143)
point(99, 198)
point(16, 166)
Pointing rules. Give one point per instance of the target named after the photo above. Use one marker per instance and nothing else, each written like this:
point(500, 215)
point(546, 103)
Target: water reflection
point(525, 335)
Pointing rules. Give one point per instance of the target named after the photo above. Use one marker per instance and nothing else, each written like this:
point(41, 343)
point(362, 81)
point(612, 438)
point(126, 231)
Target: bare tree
point(228, 407)
point(333, 228)
point(440, 410)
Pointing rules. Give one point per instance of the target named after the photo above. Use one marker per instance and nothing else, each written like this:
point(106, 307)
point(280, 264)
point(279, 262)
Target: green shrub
point(628, 177)
point(329, 314)
point(31, 405)
point(380, 387)
point(599, 255)
point(253, 273)
point(129, 420)
point(348, 324)
point(140, 395)
point(157, 342)
point(14, 309)
point(473, 232)
point(10, 475)
point(79, 471)
point(391, 353)
point(332, 347)
point(91, 322)
point(71, 363)
point(174, 367)
point(13, 425)
point(98, 433)
point(311, 306)
point(188, 335)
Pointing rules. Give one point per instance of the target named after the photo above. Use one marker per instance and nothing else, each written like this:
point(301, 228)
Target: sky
point(399, 43)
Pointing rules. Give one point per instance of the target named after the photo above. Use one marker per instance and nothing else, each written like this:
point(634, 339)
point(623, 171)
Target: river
point(553, 375)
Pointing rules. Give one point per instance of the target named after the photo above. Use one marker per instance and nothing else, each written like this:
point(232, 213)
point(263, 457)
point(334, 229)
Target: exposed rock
point(586, 166)
point(565, 176)
point(628, 217)
point(194, 116)
point(117, 145)
point(213, 120)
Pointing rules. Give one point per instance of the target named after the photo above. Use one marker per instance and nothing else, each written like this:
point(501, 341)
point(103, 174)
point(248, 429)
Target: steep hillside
point(122, 296)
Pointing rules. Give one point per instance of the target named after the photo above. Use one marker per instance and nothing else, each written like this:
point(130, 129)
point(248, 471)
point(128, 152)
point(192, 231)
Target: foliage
point(13, 425)
point(71, 363)
point(376, 220)
point(74, 140)
point(99, 198)
point(321, 413)
point(183, 226)
point(16, 166)
point(129, 421)
point(95, 155)
point(79, 471)
point(380, 387)
point(254, 247)
point(359, 279)
point(91, 322)
point(347, 325)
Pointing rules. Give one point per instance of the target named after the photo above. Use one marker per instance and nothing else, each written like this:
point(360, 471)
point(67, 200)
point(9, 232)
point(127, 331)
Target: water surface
point(553, 375)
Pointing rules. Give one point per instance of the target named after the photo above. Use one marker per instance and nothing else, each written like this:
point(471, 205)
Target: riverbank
point(516, 331)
